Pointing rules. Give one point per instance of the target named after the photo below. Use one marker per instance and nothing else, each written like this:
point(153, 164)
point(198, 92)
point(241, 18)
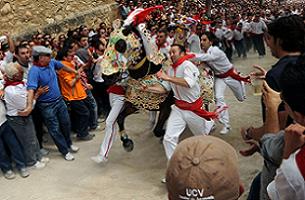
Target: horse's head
point(123, 44)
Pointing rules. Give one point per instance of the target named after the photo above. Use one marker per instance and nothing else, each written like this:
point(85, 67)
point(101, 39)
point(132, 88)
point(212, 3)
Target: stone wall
point(24, 17)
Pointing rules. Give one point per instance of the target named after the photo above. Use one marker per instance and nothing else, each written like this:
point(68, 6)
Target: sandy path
point(129, 176)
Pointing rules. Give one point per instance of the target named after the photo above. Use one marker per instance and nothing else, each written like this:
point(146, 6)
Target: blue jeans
point(80, 117)
point(258, 42)
point(93, 110)
point(254, 192)
point(240, 47)
point(57, 120)
point(26, 135)
point(8, 138)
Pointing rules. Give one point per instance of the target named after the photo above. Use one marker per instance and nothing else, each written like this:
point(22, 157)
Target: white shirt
point(170, 40)
point(2, 113)
point(219, 33)
point(246, 27)
point(227, 33)
point(288, 183)
point(258, 27)
point(216, 60)
point(238, 35)
point(15, 98)
point(7, 59)
point(165, 49)
point(2, 108)
point(26, 71)
point(194, 43)
point(190, 73)
point(1, 75)
point(97, 72)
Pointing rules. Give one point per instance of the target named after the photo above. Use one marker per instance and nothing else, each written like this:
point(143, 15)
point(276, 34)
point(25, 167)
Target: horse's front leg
point(165, 109)
point(128, 109)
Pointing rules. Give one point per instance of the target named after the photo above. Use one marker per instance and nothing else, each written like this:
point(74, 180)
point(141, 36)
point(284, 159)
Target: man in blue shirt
point(51, 104)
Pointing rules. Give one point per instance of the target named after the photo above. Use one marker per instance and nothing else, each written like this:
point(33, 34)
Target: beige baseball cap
point(205, 168)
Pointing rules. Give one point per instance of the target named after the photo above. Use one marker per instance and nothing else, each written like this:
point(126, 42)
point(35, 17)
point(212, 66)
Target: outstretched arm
point(154, 89)
point(175, 80)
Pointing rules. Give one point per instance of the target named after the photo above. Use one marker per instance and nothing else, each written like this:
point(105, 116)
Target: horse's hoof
point(127, 143)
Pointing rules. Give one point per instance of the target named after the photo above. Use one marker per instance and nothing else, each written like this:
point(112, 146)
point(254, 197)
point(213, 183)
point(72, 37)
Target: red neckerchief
point(160, 46)
point(12, 83)
point(182, 59)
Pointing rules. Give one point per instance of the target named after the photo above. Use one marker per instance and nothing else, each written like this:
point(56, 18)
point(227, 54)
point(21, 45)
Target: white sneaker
point(69, 157)
point(99, 159)
point(9, 175)
point(24, 172)
point(38, 165)
point(74, 148)
point(44, 152)
point(163, 180)
point(225, 130)
point(45, 160)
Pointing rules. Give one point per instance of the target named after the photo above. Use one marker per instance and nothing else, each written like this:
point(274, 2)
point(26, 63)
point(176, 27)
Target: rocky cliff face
point(21, 17)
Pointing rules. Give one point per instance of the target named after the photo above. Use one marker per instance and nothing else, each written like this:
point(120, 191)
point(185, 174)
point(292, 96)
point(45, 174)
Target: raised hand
point(271, 98)
point(259, 74)
point(294, 139)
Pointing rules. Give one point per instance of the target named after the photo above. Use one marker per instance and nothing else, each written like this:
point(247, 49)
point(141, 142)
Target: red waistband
point(233, 74)
point(116, 89)
point(196, 107)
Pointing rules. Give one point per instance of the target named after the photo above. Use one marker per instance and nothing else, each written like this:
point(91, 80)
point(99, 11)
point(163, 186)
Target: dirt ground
point(135, 175)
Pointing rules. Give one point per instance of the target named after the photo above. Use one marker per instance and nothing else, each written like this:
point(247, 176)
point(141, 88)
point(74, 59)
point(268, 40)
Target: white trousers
point(116, 103)
point(176, 124)
point(152, 117)
point(238, 89)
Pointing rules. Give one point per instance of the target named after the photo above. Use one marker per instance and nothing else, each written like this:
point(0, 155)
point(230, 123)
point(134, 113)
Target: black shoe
point(86, 138)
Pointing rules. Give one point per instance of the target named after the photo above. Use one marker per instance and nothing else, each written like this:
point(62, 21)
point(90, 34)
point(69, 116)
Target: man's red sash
point(232, 73)
point(196, 107)
point(116, 89)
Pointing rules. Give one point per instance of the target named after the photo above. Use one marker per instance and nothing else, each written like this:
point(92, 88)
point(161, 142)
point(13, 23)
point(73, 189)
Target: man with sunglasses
point(51, 103)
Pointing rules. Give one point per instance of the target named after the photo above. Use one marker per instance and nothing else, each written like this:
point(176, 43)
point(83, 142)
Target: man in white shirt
point(171, 35)
point(258, 28)
point(225, 75)
point(194, 40)
point(15, 96)
point(239, 40)
point(247, 33)
point(8, 138)
point(162, 43)
point(182, 78)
